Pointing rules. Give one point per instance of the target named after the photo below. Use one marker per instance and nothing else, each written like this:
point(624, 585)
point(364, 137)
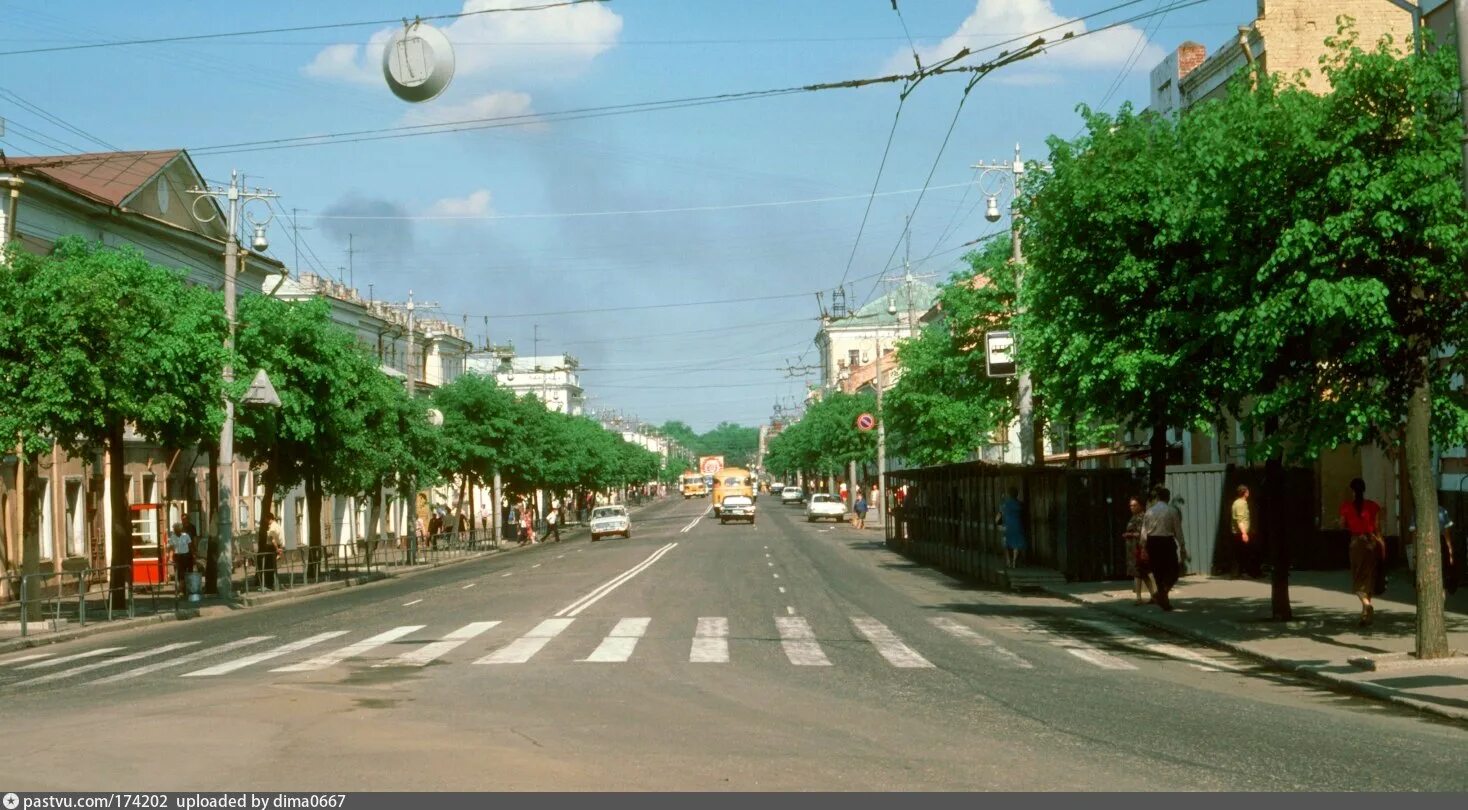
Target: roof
point(875, 312)
point(107, 177)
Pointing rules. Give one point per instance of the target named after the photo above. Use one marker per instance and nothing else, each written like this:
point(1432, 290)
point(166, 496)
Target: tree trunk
point(1432, 634)
point(1157, 473)
point(30, 541)
point(1272, 508)
point(1070, 442)
point(122, 530)
point(211, 562)
point(313, 520)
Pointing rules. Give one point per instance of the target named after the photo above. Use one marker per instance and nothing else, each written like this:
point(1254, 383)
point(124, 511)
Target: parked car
point(737, 507)
point(607, 520)
point(822, 507)
point(790, 495)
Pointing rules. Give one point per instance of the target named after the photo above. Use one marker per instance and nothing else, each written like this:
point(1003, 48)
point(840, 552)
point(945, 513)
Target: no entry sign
point(866, 421)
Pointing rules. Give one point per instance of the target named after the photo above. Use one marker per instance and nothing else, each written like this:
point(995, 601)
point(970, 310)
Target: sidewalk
point(1322, 643)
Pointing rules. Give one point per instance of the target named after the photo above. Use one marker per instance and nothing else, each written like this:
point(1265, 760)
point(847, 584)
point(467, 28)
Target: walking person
point(1246, 546)
point(1137, 564)
point(527, 524)
point(859, 509)
point(1359, 516)
point(1445, 538)
point(183, 555)
point(1012, 517)
point(553, 523)
point(1162, 534)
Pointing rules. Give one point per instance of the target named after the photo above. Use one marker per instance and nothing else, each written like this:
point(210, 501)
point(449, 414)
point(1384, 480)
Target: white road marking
point(619, 644)
point(612, 584)
point(776, 576)
point(74, 671)
point(507, 574)
point(181, 660)
point(888, 644)
point(962, 631)
point(1126, 636)
point(689, 527)
point(25, 658)
point(467, 587)
point(782, 589)
point(412, 603)
point(362, 647)
point(64, 659)
point(560, 556)
point(800, 642)
point(429, 653)
point(250, 660)
point(789, 611)
point(1080, 649)
point(523, 648)
point(537, 565)
point(710, 641)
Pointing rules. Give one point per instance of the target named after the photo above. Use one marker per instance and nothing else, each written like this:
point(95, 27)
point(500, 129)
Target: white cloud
point(994, 21)
point(550, 41)
point(474, 205)
point(498, 104)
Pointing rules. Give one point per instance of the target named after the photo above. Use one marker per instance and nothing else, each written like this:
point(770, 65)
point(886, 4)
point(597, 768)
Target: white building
point(553, 379)
point(850, 341)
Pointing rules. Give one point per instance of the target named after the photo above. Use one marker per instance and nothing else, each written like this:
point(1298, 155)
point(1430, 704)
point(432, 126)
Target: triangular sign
point(261, 391)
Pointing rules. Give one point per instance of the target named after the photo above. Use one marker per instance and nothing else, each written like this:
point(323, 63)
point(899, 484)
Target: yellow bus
point(693, 485)
point(732, 481)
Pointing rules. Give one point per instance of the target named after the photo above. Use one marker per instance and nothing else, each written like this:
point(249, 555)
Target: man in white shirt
point(183, 554)
point(1162, 532)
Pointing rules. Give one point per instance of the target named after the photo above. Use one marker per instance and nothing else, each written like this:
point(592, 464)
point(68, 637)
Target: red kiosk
point(149, 564)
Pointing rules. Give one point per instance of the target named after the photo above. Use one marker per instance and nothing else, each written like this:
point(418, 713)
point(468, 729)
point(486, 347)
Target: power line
point(57, 121)
point(320, 27)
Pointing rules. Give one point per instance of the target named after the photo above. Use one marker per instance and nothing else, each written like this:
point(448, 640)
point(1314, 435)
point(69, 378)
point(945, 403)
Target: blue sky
point(454, 226)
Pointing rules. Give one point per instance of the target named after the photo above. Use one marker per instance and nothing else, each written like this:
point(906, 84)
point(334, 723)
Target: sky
point(676, 253)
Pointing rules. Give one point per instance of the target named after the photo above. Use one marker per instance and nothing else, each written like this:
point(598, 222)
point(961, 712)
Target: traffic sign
point(866, 421)
point(999, 353)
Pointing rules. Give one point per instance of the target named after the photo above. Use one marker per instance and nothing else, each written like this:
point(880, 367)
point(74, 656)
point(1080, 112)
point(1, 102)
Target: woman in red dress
point(1359, 516)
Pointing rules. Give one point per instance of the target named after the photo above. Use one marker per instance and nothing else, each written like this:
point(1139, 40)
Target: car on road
point(825, 507)
point(737, 507)
point(776, 488)
point(607, 520)
point(790, 495)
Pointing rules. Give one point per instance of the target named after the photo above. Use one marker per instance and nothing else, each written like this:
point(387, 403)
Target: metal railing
point(310, 565)
point(63, 595)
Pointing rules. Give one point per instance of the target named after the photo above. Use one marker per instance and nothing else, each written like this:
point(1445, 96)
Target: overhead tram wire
point(319, 27)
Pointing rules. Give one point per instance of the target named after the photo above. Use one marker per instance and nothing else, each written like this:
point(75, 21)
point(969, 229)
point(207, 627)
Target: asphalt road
point(692, 656)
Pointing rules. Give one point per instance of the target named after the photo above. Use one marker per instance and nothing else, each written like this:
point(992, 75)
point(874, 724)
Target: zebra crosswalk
point(1106, 646)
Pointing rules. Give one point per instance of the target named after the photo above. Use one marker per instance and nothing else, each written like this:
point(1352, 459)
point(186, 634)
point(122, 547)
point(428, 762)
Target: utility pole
point(236, 196)
point(412, 380)
point(1031, 438)
point(351, 265)
point(296, 239)
point(881, 442)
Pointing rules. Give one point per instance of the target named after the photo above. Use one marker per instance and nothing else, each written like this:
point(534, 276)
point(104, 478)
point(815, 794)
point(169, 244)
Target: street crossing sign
point(999, 353)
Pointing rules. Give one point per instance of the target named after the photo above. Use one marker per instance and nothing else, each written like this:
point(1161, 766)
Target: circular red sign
point(866, 421)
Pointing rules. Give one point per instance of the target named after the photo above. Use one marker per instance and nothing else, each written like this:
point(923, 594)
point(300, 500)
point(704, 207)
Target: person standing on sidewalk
point(183, 555)
point(859, 509)
point(1246, 546)
point(1358, 516)
point(553, 523)
point(1445, 536)
point(1012, 518)
point(1137, 565)
point(1162, 534)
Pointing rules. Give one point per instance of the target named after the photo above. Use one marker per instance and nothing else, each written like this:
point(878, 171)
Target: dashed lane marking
point(412, 603)
point(467, 587)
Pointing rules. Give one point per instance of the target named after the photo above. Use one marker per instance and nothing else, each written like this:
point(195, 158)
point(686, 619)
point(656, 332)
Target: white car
point(776, 488)
point(790, 495)
point(736, 507)
point(825, 507)
point(607, 520)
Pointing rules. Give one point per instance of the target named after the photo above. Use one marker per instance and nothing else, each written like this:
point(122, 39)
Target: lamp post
point(236, 196)
point(1031, 439)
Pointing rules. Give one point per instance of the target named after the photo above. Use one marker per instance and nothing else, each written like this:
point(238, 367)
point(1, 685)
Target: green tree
point(479, 429)
point(95, 339)
point(945, 404)
point(737, 444)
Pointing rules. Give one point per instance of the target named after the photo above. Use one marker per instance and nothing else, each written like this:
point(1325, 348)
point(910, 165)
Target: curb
point(243, 603)
point(1333, 682)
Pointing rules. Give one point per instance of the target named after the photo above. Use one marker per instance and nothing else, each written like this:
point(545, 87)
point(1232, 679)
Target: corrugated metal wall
point(1197, 491)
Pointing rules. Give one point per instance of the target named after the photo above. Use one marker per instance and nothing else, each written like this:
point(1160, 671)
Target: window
point(76, 543)
point(48, 540)
point(853, 358)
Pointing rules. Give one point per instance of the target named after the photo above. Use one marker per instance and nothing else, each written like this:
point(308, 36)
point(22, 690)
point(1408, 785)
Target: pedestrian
point(553, 523)
point(183, 555)
point(859, 509)
point(1012, 517)
point(1445, 539)
point(1162, 534)
point(1137, 565)
point(527, 524)
point(435, 527)
point(270, 551)
point(1246, 544)
point(1359, 516)
point(484, 517)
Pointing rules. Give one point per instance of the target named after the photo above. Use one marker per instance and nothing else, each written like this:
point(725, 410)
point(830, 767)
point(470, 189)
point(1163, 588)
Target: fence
point(1074, 518)
point(66, 596)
